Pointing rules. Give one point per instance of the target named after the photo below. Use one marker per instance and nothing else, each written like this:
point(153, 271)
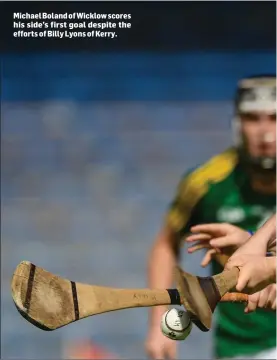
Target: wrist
point(258, 242)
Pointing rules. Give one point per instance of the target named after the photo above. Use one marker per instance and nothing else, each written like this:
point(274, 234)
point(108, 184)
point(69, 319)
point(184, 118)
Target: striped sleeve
point(182, 209)
point(194, 186)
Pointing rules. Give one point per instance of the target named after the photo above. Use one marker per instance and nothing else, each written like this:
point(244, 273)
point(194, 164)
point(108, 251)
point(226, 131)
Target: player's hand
point(265, 299)
point(250, 248)
point(221, 238)
point(256, 272)
point(158, 346)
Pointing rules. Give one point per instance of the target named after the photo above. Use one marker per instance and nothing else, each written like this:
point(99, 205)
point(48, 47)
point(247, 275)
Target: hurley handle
point(234, 297)
point(227, 280)
point(221, 259)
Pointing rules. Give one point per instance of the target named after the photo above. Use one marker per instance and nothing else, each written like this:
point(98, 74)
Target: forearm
point(267, 233)
point(161, 263)
point(263, 239)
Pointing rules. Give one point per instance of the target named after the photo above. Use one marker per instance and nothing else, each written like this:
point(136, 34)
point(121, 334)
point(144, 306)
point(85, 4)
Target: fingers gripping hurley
point(200, 295)
point(50, 302)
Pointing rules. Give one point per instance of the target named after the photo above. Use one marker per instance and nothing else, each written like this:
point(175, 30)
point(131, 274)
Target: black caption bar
point(116, 25)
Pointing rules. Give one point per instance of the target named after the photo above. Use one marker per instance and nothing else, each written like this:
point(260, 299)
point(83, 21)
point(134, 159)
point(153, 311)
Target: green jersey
point(220, 191)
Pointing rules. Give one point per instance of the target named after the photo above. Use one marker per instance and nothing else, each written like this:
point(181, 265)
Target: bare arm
point(267, 233)
point(164, 256)
point(262, 241)
point(162, 259)
point(256, 270)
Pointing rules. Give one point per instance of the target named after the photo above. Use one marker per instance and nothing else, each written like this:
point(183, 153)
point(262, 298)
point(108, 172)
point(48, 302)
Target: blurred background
point(93, 144)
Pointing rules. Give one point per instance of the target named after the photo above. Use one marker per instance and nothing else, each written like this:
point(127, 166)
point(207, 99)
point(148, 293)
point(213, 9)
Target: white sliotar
point(176, 324)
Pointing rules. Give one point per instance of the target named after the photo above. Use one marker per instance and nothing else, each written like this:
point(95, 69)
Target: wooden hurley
point(50, 302)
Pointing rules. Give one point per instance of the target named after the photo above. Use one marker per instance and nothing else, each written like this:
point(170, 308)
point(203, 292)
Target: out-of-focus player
point(237, 186)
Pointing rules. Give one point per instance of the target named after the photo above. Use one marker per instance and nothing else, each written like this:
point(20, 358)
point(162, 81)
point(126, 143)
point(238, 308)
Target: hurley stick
point(221, 259)
point(50, 302)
